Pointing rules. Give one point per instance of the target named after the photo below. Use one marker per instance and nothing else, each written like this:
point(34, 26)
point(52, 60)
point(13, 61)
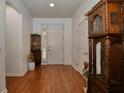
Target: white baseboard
point(16, 74)
point(43, 63)
point(4, 91)
point(74, 68)
point(55, 64)
point(67, 64)
point(77, 70)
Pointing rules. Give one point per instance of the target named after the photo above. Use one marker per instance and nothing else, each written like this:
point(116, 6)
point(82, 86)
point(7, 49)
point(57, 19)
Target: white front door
point(55, 44)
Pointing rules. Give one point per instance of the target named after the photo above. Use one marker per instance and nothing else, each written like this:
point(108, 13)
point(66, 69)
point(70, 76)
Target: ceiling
point(62, 9)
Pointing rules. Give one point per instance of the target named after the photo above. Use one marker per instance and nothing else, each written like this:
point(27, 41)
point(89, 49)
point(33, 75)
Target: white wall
point(2, 47)
point(27, 28)
point(80, 35)
point(37, 22)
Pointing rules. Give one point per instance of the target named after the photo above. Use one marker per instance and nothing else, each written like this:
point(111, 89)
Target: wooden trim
point(99, 4)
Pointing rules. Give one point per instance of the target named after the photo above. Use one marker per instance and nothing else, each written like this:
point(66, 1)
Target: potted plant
point(31, 64)
point(85, 75)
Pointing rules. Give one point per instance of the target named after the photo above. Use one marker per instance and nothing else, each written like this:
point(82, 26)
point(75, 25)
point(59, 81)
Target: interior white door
point(55, 44)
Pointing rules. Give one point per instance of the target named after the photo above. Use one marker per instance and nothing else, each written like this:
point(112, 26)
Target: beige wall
point(80, 35)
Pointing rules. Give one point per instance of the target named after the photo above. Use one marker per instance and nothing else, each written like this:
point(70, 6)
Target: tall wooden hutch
point(36, 48)
point(106, 47)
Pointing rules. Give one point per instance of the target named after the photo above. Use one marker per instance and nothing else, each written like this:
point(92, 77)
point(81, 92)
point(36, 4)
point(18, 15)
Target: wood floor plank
point(47, 79)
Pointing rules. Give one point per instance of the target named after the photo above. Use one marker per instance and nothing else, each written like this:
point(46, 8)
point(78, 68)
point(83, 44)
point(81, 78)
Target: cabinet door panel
point(116, 55)
point(37, 57)
point(35, 42)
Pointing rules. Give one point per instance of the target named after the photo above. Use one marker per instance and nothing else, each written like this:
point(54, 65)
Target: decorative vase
point(85, 84)
point(85, 89)
point(31, 66)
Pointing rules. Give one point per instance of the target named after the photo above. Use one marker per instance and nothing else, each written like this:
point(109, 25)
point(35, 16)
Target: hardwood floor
point(47, 79)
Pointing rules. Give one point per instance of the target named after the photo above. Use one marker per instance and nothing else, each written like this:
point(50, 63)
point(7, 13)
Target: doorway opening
point(13, 46)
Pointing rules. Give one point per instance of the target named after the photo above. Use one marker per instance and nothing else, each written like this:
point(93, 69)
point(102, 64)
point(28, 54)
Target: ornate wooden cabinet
point(36, 48)
point(106, 47)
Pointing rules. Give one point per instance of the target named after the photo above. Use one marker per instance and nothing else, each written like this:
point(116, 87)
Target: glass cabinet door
point(97, 24)
point(98, 58)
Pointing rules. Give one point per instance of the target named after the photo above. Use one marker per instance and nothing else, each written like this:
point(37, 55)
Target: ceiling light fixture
point(51, 3)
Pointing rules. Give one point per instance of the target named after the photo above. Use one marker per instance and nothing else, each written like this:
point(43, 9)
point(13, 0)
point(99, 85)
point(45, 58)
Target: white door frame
point(67, 33)
point(2, 46)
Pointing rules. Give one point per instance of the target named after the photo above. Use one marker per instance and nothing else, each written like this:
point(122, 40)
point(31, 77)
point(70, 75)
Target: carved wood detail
point(111, 78)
